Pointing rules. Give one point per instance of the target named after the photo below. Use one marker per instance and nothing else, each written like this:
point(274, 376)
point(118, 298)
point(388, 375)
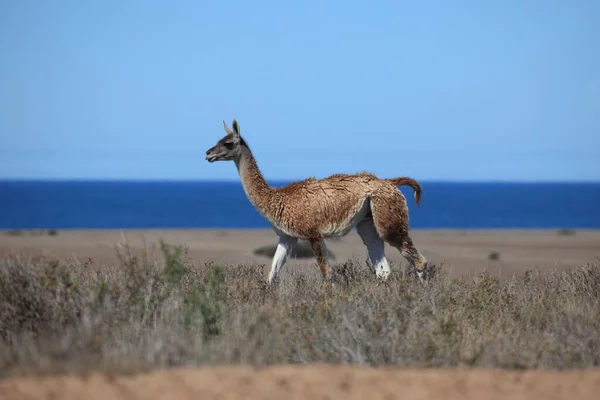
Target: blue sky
point(438, 90)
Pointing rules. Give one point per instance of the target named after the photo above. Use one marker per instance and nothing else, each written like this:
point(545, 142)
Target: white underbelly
point(330, 229)
point(342, 229)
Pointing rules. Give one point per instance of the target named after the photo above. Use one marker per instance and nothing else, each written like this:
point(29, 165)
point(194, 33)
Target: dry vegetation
point(149, 312)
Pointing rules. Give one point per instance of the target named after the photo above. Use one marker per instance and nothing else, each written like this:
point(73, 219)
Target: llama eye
point(229, 145)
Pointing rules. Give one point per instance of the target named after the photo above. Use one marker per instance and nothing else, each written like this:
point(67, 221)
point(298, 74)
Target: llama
point(318, 209)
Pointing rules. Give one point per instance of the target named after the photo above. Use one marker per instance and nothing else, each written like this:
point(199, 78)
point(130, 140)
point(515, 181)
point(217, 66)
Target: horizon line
point(289, 180)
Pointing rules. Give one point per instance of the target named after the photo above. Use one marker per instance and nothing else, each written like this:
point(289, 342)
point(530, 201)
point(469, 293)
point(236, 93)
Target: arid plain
point(463, 253)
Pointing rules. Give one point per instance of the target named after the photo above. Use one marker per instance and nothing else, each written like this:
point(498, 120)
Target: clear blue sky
point(438, 90)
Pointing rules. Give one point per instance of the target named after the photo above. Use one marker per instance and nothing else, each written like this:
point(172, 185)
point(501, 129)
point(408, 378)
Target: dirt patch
point(312, 382)
point(463, 252)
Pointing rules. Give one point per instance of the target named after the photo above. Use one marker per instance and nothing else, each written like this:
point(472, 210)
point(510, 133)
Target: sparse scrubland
point(156, 311)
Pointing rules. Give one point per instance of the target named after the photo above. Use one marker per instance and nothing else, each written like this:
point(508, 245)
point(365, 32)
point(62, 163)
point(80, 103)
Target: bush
point(565, 232)
point(301, 250)
point(142, 313)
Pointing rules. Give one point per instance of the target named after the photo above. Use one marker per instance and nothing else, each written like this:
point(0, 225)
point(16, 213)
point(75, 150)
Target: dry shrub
point(146, 313)
point(302, 249)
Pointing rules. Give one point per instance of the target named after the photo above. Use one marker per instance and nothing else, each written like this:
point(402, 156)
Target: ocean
point(150, 204)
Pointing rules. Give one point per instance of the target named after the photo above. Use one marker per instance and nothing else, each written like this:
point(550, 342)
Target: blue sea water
point(121, 204)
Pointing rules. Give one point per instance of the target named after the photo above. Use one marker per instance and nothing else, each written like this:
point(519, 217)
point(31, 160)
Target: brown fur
point(316, 209)
point(320, 253)
point(409, 182)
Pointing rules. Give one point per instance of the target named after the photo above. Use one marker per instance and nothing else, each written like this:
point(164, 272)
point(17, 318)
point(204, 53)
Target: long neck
point(254, 183)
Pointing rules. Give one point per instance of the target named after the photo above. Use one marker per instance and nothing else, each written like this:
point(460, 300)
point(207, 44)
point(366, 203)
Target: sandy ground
point(312, 382)
point(463, 253)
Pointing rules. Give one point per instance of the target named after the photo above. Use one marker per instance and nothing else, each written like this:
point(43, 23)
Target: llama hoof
point(382, 274)
point(331, 282)
point(427, 273)
point(273, 282)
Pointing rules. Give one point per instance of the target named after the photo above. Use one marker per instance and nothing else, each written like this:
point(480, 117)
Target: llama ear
point(236, 128)
point(229, 131)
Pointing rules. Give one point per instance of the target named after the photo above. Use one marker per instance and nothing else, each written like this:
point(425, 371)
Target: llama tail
point(403, 180)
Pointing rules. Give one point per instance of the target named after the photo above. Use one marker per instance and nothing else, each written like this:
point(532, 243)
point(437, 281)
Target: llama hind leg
point(281, 255)
point(390, 216)
point(375, 247)
point(414, 257)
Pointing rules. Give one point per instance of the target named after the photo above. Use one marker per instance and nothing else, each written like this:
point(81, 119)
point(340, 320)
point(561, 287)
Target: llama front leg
point(375, 247)
point(320, 251)
point(284, 247)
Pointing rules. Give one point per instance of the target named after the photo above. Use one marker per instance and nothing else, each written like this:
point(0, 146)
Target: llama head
point(229, 147)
